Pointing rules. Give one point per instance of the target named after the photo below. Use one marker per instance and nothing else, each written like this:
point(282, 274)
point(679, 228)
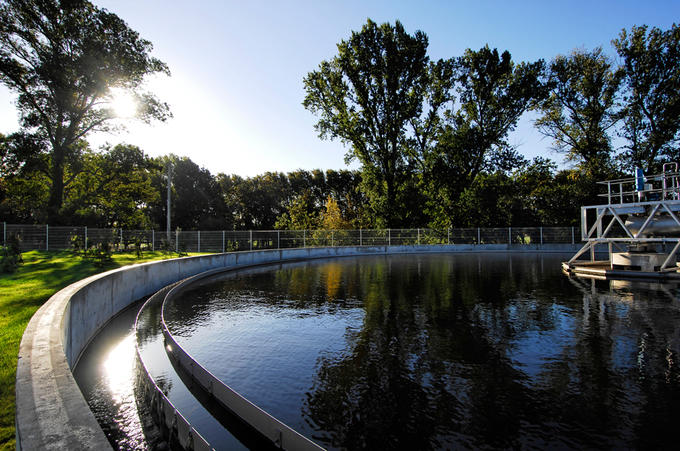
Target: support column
point(223, 241)
point(85, 237)
point(251, 240)
point(47, 237)
point(479, 236)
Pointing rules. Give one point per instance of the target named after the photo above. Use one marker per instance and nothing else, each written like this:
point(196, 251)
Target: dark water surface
point(444, 351)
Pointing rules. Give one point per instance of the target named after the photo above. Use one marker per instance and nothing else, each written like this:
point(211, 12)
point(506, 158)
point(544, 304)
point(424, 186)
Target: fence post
point(153, 240)
point(223, 241)
point(177, 240)
point(4, 234)
point(278, 239)
point(448, 235)
point(47, 237)
point(572, 234)
point(541, 230)
point(121, 237)
point(509, 235)
point(389, 237)
point(85, 237)
point(251, 239)
point(332, 240)
point(199, 241)
point(361, 237)
point(479, 236)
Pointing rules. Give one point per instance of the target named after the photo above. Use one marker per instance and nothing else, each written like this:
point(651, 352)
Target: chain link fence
point(53, 238)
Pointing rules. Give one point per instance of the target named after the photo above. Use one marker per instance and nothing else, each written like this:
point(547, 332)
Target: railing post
point(361, 237)
point(304, 238)
point(278, 239)
point(153, 240)
point(177, 240)
point(85, 237)
point(199, 241)
point(541, 230)
point(332, 239)
point(121, 238)
point(509, 235)
point(389, 237)
point(251, 240)
point(479, 236)
point(223, 233)
point(4, 234)
point(47, 237)
point(418, 237)
point(448, 235)
point(572, 235)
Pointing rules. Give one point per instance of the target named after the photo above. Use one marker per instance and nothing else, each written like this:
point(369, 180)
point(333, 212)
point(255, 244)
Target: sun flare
point(123, 103)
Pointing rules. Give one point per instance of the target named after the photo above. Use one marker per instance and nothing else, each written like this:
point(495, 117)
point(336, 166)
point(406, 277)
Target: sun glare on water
point(123, 103)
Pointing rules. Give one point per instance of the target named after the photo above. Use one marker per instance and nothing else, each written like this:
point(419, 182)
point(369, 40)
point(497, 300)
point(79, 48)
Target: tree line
point(430, 136)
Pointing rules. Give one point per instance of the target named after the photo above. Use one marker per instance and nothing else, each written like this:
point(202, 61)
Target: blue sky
point(237, 66)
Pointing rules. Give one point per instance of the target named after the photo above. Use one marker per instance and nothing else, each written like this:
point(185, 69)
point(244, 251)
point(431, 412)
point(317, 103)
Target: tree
point(367, 96)
point(301, 214)
point(331, 218)
point(580, 110)
point(112, 188)
point(651, 114)
point(63, 58)
point(494, 92)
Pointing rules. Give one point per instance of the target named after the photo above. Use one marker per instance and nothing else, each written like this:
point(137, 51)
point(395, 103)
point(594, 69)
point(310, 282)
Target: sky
point(237, 67)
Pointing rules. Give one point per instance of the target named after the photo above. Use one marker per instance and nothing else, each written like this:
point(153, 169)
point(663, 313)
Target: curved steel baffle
point(280, 434)
point(164, 413)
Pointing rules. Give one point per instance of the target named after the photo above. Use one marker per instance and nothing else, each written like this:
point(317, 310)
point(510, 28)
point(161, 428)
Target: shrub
point(10, 254)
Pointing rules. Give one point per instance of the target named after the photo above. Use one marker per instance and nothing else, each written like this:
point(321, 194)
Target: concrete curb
point(51, 412)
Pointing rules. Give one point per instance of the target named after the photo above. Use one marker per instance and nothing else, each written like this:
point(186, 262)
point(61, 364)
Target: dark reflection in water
point(444, 351)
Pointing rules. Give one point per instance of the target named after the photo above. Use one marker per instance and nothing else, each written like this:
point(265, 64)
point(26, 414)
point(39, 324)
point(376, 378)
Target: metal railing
point(54, 238)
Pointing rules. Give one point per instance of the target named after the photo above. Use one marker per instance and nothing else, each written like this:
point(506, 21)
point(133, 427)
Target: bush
point(10, 254)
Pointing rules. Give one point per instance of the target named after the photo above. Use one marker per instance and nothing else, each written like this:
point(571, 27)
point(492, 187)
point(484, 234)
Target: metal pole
point(199, 241)
point(278, 239)
point(86, 237)
point(541, 230)
point(332, 240)
point(448, 235)
point(479, 236)
point(121, 238)
point(4, 234)
point(572, 235)
point(223, 241)
point(389, 237)
point(153, 240)
point(509, 235)
point(418, 236)
point(47, 237)
point(177, 240)
point(168, 200)
point(251, 240)
point(361, 238)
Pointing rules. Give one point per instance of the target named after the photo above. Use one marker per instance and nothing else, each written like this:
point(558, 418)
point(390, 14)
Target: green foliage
point(494, 93)
point(651, 112)
point(369, 96)
point(63, 58)
point(581, 109)
point(302, 214)
point(10, 254)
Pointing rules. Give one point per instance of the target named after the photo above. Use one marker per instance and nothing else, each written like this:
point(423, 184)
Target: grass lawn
point(21, 294)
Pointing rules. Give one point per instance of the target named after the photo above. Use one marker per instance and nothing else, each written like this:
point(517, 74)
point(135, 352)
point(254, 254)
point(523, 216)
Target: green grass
point(21, 294)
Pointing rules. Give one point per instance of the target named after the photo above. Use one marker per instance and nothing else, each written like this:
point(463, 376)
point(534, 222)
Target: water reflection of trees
point(475, 351)
point(431, 367)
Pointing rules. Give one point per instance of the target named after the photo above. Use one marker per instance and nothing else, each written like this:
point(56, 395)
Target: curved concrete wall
point(51, 412)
